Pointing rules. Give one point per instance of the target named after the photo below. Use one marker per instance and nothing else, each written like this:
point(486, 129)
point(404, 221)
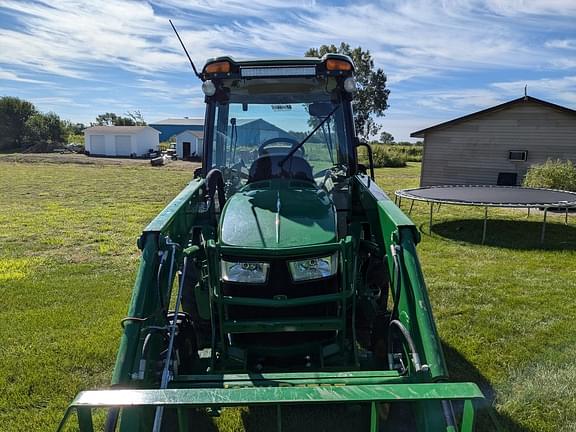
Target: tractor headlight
point(209, 88)
point(350, 85)
point(245, 272)
point(314, 268)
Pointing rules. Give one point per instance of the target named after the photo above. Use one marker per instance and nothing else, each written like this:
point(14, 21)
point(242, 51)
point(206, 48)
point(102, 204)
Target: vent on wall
point(517, 155)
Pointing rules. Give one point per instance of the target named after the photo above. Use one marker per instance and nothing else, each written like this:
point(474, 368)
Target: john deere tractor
point(281, 275)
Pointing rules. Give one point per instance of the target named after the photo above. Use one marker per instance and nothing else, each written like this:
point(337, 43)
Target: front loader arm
point(393, 232)
point(172, 225)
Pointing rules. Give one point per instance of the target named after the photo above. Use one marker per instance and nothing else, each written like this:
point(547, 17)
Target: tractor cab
point(283, 125)
point(284, 119)
point(280, 151)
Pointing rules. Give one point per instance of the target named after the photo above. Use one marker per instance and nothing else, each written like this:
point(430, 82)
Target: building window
point(517, 155)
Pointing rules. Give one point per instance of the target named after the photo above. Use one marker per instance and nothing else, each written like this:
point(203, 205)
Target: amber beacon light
point(338, 65)
point(217, 67)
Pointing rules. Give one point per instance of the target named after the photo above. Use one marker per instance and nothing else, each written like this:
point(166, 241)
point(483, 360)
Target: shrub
point(412, 152)
point(77, 139)
point(553, 174)
point(384, 156)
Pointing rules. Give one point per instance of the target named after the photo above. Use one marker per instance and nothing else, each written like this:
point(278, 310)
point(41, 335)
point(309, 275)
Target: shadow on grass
point(355, 417)
point(349, 417)
point(487, 419)
point(509, 234)
point(308, 418)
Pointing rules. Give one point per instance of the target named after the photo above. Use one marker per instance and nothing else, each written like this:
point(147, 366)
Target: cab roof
point(290, 61)
point(227, 67)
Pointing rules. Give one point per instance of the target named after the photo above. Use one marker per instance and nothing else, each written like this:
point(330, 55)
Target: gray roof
point(197, 134)
point(118, 129)
point(524, 99)
point(197, 121)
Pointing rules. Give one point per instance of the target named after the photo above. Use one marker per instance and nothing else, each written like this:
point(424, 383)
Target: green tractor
point(281, 275)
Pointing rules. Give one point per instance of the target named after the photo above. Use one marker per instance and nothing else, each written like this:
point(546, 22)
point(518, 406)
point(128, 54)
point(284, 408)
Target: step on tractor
point(281, 276)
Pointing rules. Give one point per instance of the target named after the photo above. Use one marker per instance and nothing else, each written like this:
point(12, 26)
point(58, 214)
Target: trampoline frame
point(567, 205)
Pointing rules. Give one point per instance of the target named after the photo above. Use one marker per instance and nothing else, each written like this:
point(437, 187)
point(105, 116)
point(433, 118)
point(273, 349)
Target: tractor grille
point(280, 284)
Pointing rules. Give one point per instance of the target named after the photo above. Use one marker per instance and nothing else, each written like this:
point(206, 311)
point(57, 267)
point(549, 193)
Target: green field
point(506, 311)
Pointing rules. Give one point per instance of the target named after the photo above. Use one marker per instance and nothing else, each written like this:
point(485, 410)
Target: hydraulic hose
point(394, 250)
point(158, 286)
point(448, 413)
point(173, 327)
point(408, 339)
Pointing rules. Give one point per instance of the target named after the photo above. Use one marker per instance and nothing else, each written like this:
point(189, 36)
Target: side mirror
point(320, 109)
point(370, 158)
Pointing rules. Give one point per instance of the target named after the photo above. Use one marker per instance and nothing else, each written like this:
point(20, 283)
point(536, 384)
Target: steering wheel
point(280, 149)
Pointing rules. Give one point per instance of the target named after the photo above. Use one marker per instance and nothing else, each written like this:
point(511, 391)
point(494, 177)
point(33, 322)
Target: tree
point(44, 132)
point(14, 113)
point(113, 119)
point(74, 128)
point(371, 99)
point(73, 132)
point(136, 117)
point(386, 138)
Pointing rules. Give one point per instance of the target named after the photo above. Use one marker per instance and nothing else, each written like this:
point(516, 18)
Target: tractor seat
point(267, 167)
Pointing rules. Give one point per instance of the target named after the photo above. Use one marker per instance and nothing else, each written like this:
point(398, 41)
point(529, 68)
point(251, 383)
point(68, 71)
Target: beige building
point(497, 145)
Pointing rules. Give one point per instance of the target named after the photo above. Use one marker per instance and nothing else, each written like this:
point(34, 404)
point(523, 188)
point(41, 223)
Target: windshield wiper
point(301, 143)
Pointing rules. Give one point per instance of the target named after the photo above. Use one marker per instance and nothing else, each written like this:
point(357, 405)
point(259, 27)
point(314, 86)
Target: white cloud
point(401, 127)
point(12, 76)
point(161, 90)
point(70, 37)
point(533, 7)
point(561, 43)
point(564, 63)
point(409, 39)
point(458, 100)
point(235, 7)
point(562, 89)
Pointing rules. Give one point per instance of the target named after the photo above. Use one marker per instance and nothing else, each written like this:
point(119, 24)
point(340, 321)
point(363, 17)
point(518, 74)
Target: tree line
point(24, 128)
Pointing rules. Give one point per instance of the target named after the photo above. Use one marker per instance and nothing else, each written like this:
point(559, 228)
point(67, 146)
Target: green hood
point(278, 217)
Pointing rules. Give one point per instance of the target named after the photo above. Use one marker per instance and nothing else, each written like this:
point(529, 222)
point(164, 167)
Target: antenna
point(186, 51)
point(525, 91)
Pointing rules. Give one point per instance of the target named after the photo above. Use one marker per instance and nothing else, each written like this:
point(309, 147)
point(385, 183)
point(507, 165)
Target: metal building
point(173, 126)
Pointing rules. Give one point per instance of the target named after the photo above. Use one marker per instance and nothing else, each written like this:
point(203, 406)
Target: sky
point(443, 58)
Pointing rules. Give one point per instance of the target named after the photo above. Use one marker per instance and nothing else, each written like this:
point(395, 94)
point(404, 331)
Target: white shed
point(189, 144)
point(123, 141)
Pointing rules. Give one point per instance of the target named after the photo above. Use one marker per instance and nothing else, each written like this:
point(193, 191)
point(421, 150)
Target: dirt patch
point(81, 159)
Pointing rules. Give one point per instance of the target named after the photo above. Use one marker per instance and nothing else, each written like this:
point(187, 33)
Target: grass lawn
point(505, 310)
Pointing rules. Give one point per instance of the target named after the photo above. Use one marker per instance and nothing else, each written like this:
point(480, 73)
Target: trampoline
point(491, 196)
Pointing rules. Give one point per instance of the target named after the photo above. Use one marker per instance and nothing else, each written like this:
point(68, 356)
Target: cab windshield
point(250, 137)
